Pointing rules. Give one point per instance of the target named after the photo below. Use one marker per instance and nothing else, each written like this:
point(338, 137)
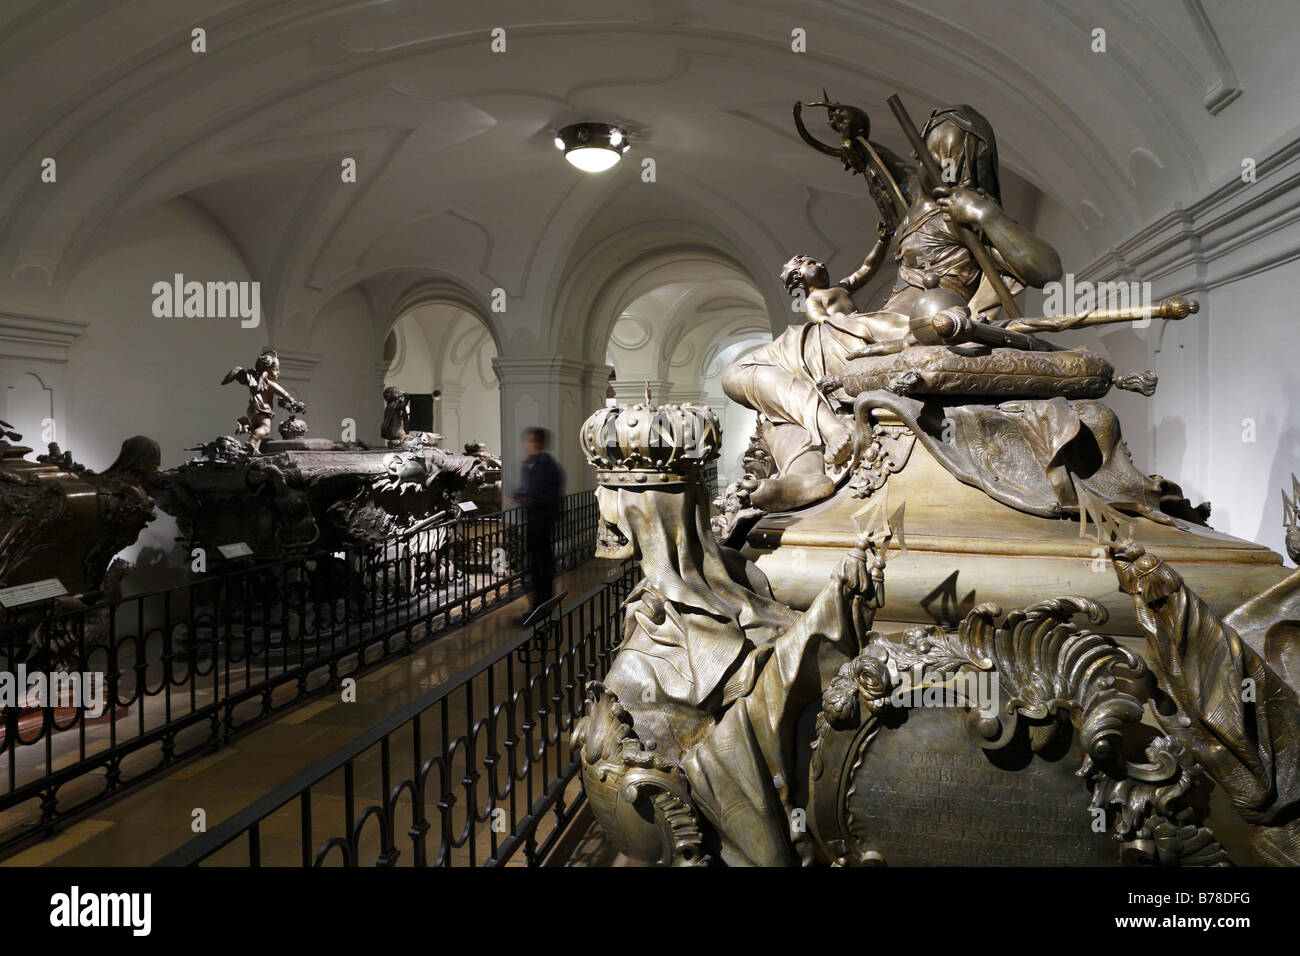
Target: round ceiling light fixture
point(592, 147)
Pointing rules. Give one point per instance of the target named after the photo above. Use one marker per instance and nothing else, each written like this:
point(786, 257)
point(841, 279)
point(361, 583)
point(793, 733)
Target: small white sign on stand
point(30, 593)
point(237, 550)
point(468, 506)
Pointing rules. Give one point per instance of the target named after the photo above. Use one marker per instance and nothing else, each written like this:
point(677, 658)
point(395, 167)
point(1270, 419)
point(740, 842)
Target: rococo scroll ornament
point(1034, 682)
point(1235, 710)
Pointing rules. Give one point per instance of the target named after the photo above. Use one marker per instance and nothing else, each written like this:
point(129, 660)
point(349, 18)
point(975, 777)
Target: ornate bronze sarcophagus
point(311, 494)
point(59, 519)
point(300, 494)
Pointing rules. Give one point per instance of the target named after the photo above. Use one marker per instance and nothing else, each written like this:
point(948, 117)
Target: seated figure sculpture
point(786, 381)
point(396, 426)
point(688, 744)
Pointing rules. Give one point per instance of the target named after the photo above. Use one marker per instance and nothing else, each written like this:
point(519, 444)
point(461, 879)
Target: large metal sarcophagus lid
point(311, 494)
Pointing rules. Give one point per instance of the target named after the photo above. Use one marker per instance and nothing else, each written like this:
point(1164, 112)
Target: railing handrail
point(235, 826)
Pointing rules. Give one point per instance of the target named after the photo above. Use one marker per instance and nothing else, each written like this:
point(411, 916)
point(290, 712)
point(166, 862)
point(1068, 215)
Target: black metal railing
point(477, 772)
point(184, 669)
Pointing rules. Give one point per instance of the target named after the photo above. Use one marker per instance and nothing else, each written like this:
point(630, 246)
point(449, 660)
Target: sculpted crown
point(645, 444)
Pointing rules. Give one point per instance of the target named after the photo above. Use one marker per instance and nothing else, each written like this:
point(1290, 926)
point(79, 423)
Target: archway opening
point(679, 334)
point(441, 354)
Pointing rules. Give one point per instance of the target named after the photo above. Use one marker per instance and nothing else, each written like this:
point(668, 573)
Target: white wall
point(348, 383)
point(412, 368)
point(737, 427)
point(471, 402)
point(132, 373)
point(1224, 420)
point(1253, 426)
point(110, 369)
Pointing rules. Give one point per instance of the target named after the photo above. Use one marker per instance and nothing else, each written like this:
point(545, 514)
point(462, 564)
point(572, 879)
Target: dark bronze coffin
point(311, 494)
point(61, 520)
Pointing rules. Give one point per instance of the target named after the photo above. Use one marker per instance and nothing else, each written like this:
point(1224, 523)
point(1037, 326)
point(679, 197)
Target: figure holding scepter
point(786, 381)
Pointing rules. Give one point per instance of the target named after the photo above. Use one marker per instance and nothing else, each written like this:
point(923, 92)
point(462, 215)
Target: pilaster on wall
point(1223, 421)
point(556, 393)
point(446, 415)
point(34, 380)
point(595, 391)
point(632, 391)
point(714, 399)
point(296, 369)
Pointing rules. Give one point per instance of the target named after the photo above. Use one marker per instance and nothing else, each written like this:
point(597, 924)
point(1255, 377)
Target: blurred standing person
point(541, 488)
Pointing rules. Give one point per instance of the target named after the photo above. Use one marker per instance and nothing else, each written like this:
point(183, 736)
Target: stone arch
point(706, 316)
point(446, 346)
point(435, 290)
point(665, 317)
point(614, 273)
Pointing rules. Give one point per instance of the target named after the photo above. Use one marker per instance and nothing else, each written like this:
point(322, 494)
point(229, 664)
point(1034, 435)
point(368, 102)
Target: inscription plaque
point(30, 593)
point(924, 794)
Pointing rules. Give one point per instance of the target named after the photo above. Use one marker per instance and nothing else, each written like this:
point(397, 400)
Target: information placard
point(30, 593)
point(237, 550)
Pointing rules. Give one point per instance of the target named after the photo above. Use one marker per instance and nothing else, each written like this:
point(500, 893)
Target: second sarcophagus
point(60, 520)
point(311, 494)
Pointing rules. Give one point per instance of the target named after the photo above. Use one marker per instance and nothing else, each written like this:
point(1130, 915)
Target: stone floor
point(147, 823)
point(173, 697)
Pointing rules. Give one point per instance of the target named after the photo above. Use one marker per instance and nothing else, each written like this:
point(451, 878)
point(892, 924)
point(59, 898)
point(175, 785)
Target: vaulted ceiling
point(457, 175)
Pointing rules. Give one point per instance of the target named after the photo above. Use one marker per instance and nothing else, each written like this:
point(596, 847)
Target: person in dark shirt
point(541, 488)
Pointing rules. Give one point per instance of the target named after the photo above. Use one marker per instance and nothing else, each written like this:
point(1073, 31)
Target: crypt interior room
point(848, 571)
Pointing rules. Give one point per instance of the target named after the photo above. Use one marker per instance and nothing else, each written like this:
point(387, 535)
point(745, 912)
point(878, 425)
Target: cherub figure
point(263, 389)
point(822, 300)
point(807, 431)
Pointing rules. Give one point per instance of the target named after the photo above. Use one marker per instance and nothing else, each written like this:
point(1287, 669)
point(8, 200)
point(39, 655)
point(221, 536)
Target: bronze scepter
point(1171, 309)
point(967, 237)
point(948, 329)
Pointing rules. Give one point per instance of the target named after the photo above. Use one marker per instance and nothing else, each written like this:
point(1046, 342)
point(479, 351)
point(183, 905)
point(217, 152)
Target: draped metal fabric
point(981, 145)
point(1038, 456)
